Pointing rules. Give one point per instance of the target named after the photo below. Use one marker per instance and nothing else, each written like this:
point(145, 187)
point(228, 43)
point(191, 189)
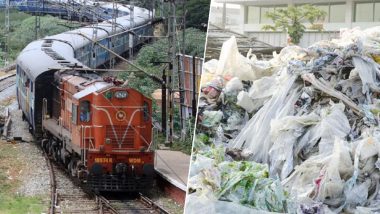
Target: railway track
point(138, 205)
point(7, 81)
point(68, 197)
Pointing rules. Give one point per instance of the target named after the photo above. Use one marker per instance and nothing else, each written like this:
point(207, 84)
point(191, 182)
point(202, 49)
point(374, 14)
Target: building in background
point(231, 17)
point(340, 14)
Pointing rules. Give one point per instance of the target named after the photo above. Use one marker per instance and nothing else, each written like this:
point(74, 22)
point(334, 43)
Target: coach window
point(27, 83)
point(85, 111)
point(74, 114)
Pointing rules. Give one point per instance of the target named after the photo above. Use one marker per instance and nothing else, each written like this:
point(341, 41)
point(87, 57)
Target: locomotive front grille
point(121, 137)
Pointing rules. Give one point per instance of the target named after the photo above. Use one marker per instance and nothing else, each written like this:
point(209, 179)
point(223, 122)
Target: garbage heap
point(298, 133)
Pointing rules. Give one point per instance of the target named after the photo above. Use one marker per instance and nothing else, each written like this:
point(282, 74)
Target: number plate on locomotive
point(134, 160)
point(103, 160)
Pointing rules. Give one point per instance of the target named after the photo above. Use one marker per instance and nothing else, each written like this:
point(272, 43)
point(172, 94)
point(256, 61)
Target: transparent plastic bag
point(212, 118)
point(254, 137)
point(234, 85)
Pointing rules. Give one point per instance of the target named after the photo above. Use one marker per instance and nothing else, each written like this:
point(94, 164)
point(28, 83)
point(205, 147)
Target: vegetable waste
point(298, 133)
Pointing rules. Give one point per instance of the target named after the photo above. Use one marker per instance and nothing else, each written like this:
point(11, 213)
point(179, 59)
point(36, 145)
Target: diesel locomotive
point(99, 129)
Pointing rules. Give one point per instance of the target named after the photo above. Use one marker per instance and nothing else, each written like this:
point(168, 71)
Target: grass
point(178, 144)
point(10, 167)
point(20, 204)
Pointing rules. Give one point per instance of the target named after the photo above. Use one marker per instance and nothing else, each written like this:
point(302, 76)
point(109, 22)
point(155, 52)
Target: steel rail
point(53, 185)
point(147, 201)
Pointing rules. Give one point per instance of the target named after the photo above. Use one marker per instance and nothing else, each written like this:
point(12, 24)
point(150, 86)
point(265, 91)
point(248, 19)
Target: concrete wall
point(280, 38)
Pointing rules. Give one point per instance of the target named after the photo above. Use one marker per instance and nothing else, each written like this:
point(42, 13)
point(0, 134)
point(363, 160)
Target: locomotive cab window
point(85, 111)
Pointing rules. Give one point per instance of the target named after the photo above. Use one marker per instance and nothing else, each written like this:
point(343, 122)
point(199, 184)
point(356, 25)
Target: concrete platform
point(173, 167)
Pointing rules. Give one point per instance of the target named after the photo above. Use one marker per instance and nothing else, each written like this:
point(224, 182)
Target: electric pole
point(7, 29)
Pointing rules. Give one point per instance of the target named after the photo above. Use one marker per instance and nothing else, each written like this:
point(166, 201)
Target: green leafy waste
point(243, 182)
point(248, 183)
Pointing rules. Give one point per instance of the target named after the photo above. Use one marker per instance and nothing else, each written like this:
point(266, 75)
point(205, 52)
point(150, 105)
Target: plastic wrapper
point(233, 64)
point(244, 101)
point(254, 137)
point(264, 87)
point(234, 85)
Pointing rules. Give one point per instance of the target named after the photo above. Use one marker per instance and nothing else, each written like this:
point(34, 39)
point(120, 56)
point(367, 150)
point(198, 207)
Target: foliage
point(22, 32)
point(186, 144)
point(148, 58)
point(20, 204)
point(151, 54)
point(141, 3)
point(197, 12)
point(25, 33)
point(292, 18)
point(183, 145)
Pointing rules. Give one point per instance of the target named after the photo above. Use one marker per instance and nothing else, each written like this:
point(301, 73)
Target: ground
point(24, 178)
point(20, 189)
point(164, 201)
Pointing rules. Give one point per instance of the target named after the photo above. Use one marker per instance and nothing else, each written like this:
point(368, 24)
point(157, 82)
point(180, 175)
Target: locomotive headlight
point(121, 94)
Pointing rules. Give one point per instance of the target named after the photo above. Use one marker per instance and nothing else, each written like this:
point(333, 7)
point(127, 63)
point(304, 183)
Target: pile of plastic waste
point(298, 133)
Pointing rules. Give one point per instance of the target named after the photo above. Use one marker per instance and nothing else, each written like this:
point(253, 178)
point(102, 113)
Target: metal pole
point(37, 25)
point(184, 27)
point(182, 75)
point(6, 49)
point(171, 106)
point(114, 16)
point(181, 97)
point(194, 110)
point(174, 69)
point(131, 36)
point(163, 103)
point(169, 22)
point(94, 38)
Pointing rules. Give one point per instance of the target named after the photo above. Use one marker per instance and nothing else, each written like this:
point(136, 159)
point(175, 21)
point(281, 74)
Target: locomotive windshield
point(85, 111)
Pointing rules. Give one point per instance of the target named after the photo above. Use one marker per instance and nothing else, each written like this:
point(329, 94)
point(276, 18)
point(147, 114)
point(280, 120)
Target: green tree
point(197, 12)
point(292, 19)
point(149, 56)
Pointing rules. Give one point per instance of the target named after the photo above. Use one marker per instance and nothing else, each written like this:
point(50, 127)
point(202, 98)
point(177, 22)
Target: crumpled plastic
point(309, 116)
point(211, 118)
point(232, 63)
point(196, 205)
point(240, 182)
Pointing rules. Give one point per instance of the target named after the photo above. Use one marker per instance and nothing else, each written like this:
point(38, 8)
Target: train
point(98, 128)
point(84, 11)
